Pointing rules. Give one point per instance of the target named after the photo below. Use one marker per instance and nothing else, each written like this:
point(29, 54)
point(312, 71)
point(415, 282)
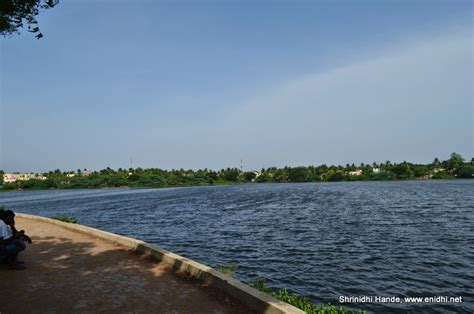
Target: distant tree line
point(454, 167)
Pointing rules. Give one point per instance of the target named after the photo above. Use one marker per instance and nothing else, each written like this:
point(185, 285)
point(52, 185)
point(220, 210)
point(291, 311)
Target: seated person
point(11, 222)
point(12, 242)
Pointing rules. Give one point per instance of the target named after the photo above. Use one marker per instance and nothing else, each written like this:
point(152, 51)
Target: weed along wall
point(254, 299)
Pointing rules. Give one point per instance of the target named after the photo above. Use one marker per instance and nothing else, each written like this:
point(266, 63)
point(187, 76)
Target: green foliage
point(454, 162)
point(249, 176)
point(264, 177)
point(303, 303)
point(159, 178)
point(65, 219)
point(228, 270)
point(298, 174)
point(466, 172)
point(403, 171)
point(329, 174)
point(381, 176)
point(442, 175)
point(13, 14)
point(420, 171)
point(230, 174)
point(261, 285)
point(337, 175)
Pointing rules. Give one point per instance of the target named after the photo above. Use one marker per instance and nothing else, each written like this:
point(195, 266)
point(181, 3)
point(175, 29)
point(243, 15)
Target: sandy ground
point(69, 272)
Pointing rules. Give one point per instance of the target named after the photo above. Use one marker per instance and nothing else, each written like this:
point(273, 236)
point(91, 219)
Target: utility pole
point(241, 165)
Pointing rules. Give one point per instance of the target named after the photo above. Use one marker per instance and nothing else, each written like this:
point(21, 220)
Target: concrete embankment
point(74, 268)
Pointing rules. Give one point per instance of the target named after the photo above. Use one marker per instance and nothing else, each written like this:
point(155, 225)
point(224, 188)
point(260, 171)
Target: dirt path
point(72, 272)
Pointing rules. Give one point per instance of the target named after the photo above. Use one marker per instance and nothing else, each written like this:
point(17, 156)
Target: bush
point(67, 219)
point(302, 303)
point(228, 270)
point(298, 174)
point(466, 172)
point(381, 176)
point(442, 175)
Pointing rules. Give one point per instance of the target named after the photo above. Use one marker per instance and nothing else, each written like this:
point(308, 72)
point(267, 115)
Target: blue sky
point(195, 84)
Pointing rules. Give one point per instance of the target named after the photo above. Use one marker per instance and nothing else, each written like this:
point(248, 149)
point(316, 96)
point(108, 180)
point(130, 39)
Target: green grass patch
point(70, 220)
point(228, 270)
point(303, 303)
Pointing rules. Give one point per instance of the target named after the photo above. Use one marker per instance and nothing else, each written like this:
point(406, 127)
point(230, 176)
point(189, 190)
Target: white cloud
point(412, 103)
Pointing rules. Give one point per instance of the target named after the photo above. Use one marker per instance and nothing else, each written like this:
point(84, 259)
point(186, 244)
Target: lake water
point(321, 240)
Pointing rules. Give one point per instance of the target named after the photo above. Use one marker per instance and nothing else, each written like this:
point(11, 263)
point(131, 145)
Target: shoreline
point(232, 184)
point(233, 288)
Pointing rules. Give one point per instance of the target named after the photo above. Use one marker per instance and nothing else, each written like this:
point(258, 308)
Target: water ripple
point(320, 240)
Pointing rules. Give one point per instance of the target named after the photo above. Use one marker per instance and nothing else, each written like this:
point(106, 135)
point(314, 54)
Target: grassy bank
point(303, 303)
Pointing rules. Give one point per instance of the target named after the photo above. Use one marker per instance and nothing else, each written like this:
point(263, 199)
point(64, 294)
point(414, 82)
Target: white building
point(13, 177)
point(85, 173)
point(357, 172)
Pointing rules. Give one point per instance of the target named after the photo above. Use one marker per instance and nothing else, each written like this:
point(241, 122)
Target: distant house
point(70, 175)
point(376, 170)
point(357, 172)
point(257, 174)
point(86, 173)
point(13, 177)
point(37, 176)
point(436, 170)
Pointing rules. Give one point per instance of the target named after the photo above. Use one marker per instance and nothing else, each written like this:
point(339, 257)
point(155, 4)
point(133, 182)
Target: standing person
point(11, 244)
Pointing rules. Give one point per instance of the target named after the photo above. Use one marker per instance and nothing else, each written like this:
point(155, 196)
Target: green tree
point(231, 174)
point(442, 175)
point(249, 176)
point(14, 13)
point(454, 162)
point(420, 171)
point(466, 171)
point(263, 177)
point(298, 174)
point(402, 171)
point(337, 175)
